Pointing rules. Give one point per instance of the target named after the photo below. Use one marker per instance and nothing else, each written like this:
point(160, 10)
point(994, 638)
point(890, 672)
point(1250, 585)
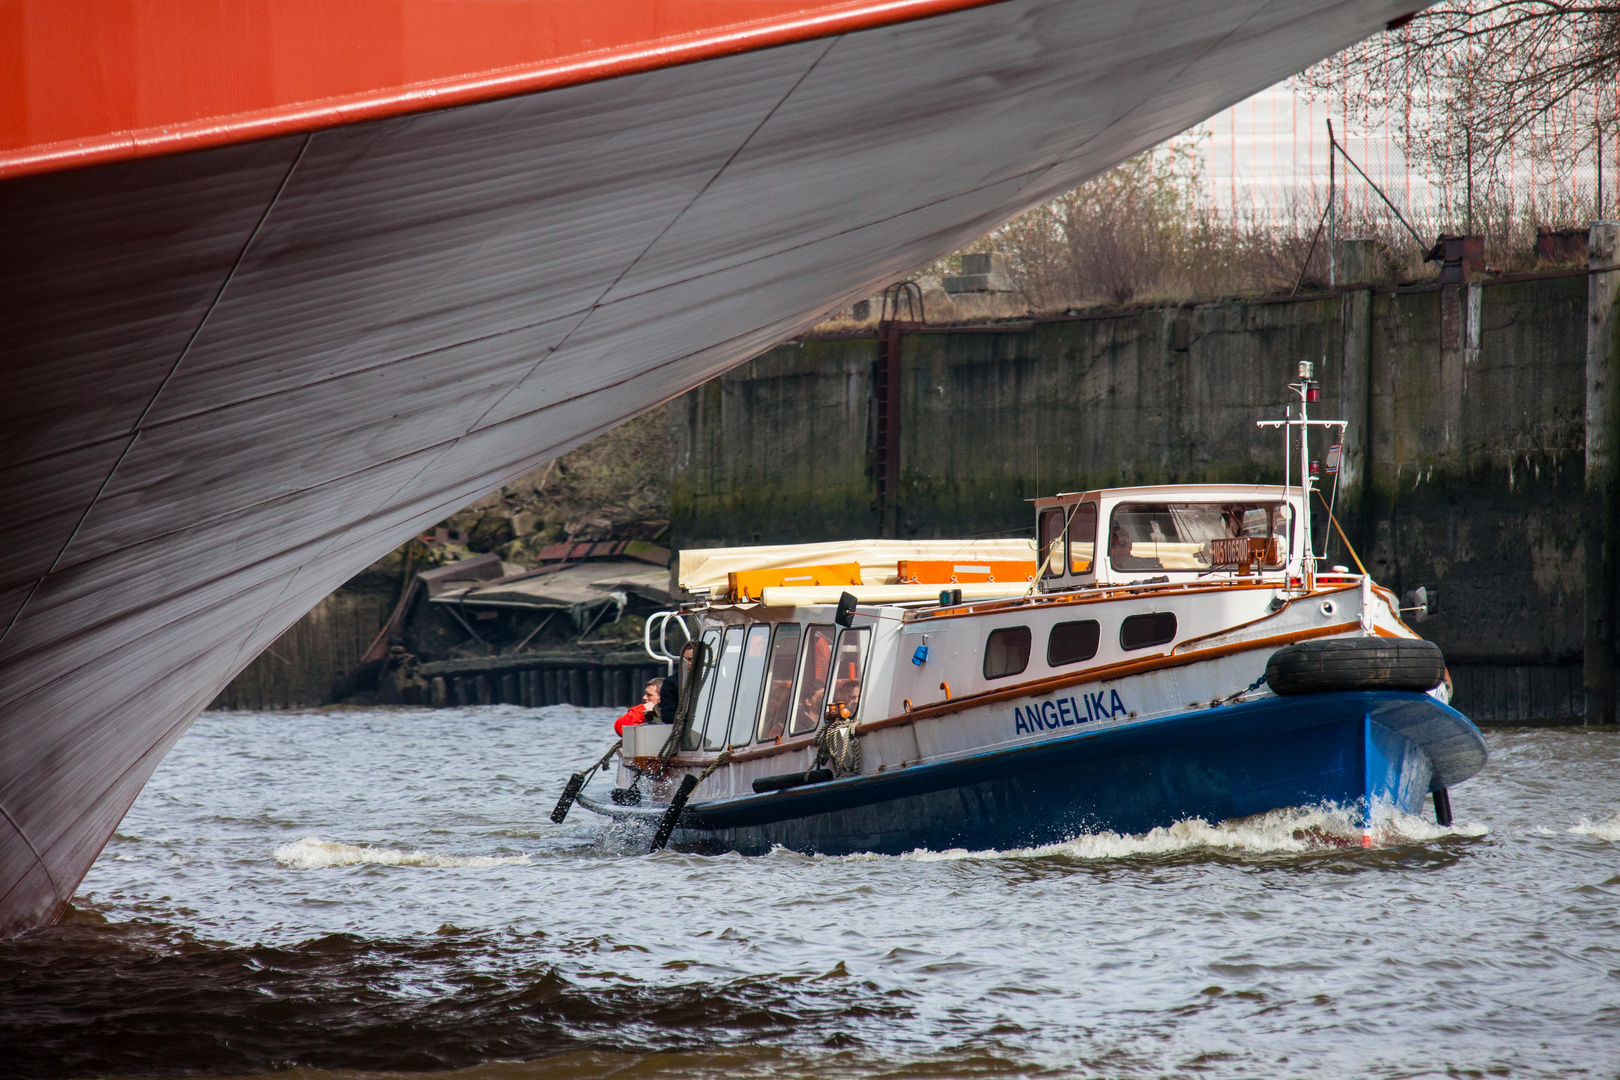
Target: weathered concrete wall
point(1477, 465)
point(1094, 402)
point(1474, 481)
point(781, 454)
point(309, 664)
point(782, 449)
point(1464, 472)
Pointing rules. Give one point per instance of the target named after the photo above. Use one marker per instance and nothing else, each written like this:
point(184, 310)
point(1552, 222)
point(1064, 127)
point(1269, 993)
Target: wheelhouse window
point(1051, 545)
point(814, 668)
point(1145, 631)
point(700, 708)
point(1194, 536)
point(848, 668)
point(1072, 642)
point(1006, 652)
point(779, 681)
point(750, 685)
point(725, 688)
point(1082, 538)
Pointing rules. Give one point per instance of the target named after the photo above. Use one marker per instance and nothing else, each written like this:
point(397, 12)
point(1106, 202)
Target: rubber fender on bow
point(559, 813)
point(1358, 663)
point(666, 824)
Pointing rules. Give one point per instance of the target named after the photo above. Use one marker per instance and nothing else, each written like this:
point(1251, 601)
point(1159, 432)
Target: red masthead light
point(1313, 391)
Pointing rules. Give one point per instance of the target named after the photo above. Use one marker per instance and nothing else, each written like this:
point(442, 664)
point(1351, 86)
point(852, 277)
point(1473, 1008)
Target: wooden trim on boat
point(752, 753)
point(1263, 618)
point(1101, 594)
point(1394, 610)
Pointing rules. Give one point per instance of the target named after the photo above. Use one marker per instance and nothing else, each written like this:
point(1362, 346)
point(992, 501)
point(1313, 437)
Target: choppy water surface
point(381, 891)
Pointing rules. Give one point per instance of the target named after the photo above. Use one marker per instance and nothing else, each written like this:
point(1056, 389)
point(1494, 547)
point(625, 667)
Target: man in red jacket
point(638, 713)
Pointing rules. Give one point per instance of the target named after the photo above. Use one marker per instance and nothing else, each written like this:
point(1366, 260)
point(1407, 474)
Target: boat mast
point(1309, 390)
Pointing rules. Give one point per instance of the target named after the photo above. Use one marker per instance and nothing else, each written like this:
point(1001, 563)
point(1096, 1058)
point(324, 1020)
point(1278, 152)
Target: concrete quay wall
point(1473, 409)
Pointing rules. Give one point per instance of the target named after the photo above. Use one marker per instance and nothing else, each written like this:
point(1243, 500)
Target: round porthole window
point(1328, 608)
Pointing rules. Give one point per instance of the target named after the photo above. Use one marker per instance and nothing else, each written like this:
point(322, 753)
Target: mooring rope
point(682, 721)
point(837, 744)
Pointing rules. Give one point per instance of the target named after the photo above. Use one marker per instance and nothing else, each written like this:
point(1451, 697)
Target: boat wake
point(1292, 831)
point(1607, 829)
point(313, 853)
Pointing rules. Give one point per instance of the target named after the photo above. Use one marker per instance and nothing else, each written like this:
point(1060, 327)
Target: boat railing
point(660, 622)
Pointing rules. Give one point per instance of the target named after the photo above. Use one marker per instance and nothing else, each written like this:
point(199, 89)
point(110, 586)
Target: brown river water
point(354, 893)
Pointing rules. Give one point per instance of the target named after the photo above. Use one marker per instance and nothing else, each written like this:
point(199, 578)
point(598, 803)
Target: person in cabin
point(637, 714)
point(669, 691)
point(1119, 553)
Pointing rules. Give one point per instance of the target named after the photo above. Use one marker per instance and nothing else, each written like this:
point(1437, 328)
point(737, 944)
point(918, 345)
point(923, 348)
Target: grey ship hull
point(237, 376)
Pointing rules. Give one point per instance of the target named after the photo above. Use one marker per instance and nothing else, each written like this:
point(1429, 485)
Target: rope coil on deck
point(836, 742)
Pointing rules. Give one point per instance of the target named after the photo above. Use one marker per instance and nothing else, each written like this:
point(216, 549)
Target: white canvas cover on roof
point(584, 583)
point(707, 568)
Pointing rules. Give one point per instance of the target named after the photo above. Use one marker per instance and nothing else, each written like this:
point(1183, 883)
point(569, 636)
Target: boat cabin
point(775, 671)
point(1172, 533)
point(781, 656)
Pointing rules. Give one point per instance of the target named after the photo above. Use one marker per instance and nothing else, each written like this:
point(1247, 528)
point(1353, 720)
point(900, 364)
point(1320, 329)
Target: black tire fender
point(1356, 663)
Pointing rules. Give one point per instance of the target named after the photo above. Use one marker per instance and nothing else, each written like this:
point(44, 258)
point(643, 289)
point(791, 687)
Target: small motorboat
point(1157, 654)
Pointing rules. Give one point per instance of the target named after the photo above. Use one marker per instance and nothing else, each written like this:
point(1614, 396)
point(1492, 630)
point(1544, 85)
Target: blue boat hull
point(1369, 749)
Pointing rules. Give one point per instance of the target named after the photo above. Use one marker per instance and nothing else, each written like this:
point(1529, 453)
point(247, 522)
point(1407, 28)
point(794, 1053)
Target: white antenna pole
point(1305, 388)
point(1308, 560)
point(1288, 468)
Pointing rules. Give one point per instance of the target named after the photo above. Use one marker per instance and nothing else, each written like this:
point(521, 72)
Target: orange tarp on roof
point(962, 571)
point(748, 583)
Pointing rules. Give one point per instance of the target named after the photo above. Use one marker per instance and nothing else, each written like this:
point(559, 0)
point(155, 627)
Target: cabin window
point(1072, 642)
point(1082, 538)
point(725, 688)
point(779, 681)
point(813, 671)
point(700, 708)
point(1051, 547)
point(1144, 631)
point(1006, 652)
point(1180, 536)
point(751, 684)
point(848, 667)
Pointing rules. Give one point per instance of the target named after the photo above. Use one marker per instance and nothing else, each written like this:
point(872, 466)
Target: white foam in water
point(313, 853)
point(1298, 830)
point(1607, 829)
